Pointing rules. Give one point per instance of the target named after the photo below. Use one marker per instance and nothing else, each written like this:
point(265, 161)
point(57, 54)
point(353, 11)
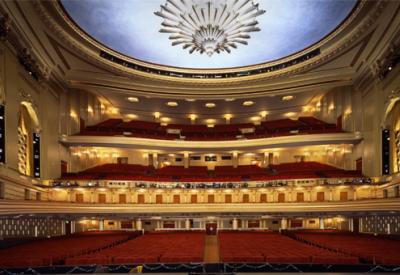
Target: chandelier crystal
point(209, 26)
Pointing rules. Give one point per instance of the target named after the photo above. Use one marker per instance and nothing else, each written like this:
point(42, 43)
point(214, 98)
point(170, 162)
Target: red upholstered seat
point(274, 248)
point(373, 248)
point(52, 251)
point(294, 170)
point(168, 247)
point(145, 129)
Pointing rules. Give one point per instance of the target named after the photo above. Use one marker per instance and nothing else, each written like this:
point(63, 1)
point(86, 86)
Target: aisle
point(211, 249)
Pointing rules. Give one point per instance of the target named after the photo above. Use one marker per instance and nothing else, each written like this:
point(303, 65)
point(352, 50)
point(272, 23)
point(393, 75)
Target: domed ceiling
point(132, 28)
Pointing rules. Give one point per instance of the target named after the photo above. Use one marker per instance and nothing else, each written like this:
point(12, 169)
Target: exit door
point(211, 228)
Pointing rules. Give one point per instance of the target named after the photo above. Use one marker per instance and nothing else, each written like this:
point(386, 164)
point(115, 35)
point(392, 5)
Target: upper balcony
point(245, 136)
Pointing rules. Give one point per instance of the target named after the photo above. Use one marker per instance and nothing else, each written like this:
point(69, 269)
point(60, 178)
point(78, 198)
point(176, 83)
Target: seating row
point(298, 170)
point(108, 248)
point(272, 247)
point(371, 248)
point(157, 247)
point(145, 129)
point(55, 250)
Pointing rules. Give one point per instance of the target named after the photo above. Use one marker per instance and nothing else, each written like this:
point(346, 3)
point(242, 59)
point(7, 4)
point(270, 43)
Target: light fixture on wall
point(210, 122)
point(263, 114)
point(228, 118)
point(192, 117)
point(157, 115)
point(73, 114)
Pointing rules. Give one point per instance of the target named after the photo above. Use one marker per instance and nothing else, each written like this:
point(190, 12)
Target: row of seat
point(298, 170)
point(145, 129)
point(53, 251)
point(164, 247)
point(107, 248)
point(272, 247)
point(372, 248)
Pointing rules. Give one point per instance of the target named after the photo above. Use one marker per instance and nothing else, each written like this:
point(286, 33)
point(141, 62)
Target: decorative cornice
point(387, 62)
point(92, 53)
point(31, 66)
point(5, 26)
point(9, 32)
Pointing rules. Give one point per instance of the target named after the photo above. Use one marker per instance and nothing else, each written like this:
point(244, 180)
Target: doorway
point(211, 228)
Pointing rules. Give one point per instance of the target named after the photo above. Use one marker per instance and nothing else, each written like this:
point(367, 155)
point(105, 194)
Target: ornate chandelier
point(209, 26)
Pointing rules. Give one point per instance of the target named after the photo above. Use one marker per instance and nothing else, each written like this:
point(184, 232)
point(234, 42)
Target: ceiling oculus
point(209, 26)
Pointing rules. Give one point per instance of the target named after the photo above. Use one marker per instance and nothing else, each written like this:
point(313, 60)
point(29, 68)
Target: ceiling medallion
point(209, 26)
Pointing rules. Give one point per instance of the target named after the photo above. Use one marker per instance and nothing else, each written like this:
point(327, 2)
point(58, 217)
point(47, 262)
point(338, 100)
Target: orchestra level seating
point(55, 250)
point(171, 247)
point(164, 247)
point(272, 247)
point(368, 247)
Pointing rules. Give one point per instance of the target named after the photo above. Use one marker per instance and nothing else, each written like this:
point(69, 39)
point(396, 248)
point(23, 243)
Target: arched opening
point(28, 124)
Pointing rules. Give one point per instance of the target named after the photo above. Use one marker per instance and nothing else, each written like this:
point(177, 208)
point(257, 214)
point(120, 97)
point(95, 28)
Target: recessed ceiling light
point(263, 114)
point(165, 119)
point(131, 116)
point(248, 103)
point(157, 114)
point(172, 103)
point(255, 118)
point(287, 97)
point(229, 99)
point(133, 99)
point(190, 99)
point(210, 105)
point(290, 114)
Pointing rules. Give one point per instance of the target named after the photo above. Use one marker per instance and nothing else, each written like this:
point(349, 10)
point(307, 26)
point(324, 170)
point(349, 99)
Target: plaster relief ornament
point(208, 26)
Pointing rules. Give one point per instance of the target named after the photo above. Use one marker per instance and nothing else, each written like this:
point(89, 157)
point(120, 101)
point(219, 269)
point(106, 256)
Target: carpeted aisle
point(211, 249)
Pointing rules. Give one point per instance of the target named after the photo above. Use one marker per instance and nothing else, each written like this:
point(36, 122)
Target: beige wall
point(362, 109)
point(18, 87)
